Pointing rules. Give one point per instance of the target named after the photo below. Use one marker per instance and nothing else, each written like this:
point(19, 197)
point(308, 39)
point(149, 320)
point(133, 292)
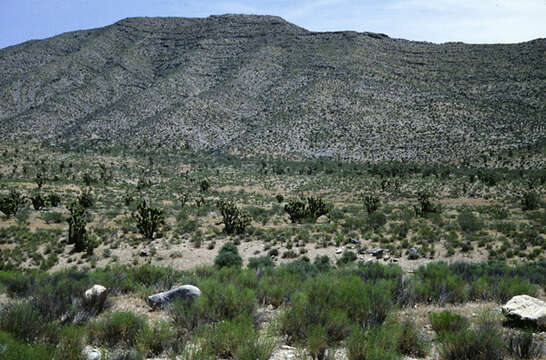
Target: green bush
point(261, 262)
point(54, 199)
point(446, 322)
point(235, 339)
point(11, 203)
point(12, 349)
point(529, 200)
point(468, 222)
point(118, 328)
point(235, 220)
point(70, 344)
point(149, 219)
point(377, 343)
point(38, 201)
point(424, 205)
point(23, 321)
point(228, 256)
point(483, 343)
point(348, 257)
point(411, 340)
point(299, 211)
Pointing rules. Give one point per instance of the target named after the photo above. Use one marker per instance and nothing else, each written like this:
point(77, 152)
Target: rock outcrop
point(185, 292)
point(526, 308)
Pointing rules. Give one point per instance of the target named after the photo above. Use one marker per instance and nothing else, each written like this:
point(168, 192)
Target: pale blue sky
point(473, 21)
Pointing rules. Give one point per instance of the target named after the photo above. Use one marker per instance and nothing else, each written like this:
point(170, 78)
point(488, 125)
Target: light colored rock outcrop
point(188, 292)
point(526, 308)
point(96, 296)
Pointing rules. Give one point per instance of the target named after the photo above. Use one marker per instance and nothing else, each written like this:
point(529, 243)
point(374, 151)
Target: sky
point(470, 21)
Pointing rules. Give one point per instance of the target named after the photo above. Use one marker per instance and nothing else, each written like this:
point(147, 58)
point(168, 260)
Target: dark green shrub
point(12, 349)
point(235, 220)
point(70, 344)
point(159, 339)
point(468, 222)
point(376, 220)
point(377, 343)
point(23, 321)
point(317, 342)
point(52, 217)
point(529, 200)
point(279, 198)
point(483, 343)
point(322, 263)
point(347, 258)
point(261, 262)
point(77, 233)
point(149, 219)
point(445, 322)
point(371, 203)
point(235, 339)
point(228, 256)
point(86, 198)
point(424, 205)
point(54, 199)
point(296, 210)
point(38, 201)
point(118, 328)
point(299, 210)
point(411, 340)
point(11, 203)
point(204, 186)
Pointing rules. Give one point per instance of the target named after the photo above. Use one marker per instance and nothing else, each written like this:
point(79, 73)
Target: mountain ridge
point(259, 84)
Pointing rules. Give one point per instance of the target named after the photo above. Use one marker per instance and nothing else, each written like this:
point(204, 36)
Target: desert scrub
point(122, 328)
point(228, 256)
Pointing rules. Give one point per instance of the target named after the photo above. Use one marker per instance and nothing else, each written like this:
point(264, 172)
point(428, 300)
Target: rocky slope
point(258, 84)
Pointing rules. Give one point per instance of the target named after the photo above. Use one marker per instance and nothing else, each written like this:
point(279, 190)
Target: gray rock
point(526, 308)
point(413, 254)
point(354, 241)
point(186, 292)
point(91, 353)
point(378, 252)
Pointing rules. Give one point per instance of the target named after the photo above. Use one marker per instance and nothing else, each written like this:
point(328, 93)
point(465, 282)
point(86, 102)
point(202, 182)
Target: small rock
point(186, 236)
point(145, 253)
point(91, 353)
point(413, 254)
point(323, 219)
point(378, 252)
point(386, 258)
point(188, 292)
point(339, 251)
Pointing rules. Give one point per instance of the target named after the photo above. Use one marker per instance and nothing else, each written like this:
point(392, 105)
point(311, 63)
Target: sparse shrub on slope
point(228, 256)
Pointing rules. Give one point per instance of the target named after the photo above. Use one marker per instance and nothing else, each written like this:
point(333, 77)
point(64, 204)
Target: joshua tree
point(149, 219)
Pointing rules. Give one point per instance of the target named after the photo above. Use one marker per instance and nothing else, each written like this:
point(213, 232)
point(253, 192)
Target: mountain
point(257, 84)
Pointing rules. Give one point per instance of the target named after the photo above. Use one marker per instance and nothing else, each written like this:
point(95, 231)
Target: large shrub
point(228, 256)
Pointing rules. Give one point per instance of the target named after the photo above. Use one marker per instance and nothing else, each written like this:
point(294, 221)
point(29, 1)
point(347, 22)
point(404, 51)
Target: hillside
point(258, 84)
